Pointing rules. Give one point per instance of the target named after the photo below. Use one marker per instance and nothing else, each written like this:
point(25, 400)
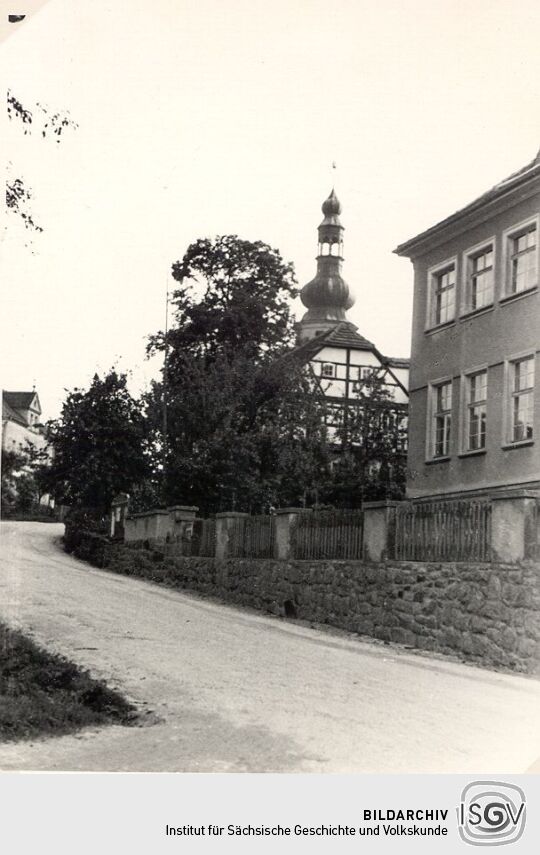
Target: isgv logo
point(491, 813)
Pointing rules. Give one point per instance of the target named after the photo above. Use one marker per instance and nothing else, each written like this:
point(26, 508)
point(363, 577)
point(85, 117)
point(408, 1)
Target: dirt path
point(235, 691)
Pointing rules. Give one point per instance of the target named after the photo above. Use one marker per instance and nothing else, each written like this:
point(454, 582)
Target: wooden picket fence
point(442, 531)
point(458, 530)
point(252, 537)
point(203, 541)
point(328, 534)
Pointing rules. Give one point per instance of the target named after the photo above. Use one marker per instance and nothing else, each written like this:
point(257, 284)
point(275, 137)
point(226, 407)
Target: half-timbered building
point(340, 358)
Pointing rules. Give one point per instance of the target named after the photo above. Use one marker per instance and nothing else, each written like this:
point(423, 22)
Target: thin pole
point(165, 389)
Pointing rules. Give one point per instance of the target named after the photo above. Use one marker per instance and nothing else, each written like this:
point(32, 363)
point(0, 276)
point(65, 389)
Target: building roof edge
point(529, 172)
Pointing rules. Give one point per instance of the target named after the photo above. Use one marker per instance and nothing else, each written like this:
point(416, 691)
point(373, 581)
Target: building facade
point(339, 357)
point(474, 415)
point(22, 432)
point(21, 421)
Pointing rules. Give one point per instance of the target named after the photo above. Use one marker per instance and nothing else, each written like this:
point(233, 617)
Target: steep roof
point(10, 415)
point(20, 400)
point(345, 335)
point(342, 335)
point(506, 186)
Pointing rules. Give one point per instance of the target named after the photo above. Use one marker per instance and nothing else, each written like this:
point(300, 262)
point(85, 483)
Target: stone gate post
point(513, 525)
point(224, 525)
point(378, 525)
point(285, 518)
point(119, 511)
point(180, 525)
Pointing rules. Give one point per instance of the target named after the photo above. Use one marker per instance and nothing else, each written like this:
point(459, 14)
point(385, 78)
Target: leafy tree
point(100, 445)
point(242, 435)
point(371, 461)
point(12, 464)
point(234, 297)
point(49, 123)
point(23, 474)
point(243, 427)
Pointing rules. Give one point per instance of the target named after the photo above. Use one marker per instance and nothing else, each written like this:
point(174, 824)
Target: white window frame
point(466, 405)
point(363, 372)
point(432, 274)
point(509, 395)
point(509, 235)
point(326, 376)
point(431, 433)
point(466, 275)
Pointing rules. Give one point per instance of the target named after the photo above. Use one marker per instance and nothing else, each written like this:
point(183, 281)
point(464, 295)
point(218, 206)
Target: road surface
point(232, 691)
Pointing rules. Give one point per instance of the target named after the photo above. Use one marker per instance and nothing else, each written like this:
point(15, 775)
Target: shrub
point(78, 523)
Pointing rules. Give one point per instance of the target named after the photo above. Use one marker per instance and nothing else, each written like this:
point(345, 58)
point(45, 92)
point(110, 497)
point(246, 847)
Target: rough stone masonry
point(487, 613)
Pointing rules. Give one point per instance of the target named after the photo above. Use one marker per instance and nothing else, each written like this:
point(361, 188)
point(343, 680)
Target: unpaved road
point(234, 691)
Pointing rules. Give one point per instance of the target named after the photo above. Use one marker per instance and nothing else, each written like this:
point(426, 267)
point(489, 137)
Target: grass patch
point(43, 694)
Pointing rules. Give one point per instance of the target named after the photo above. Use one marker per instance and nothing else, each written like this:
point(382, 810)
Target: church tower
point(327, 297)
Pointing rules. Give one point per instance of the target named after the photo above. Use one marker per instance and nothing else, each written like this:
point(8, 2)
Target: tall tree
point(234, 297)
point(240, 424)
point(241, 435)
point(100, 445)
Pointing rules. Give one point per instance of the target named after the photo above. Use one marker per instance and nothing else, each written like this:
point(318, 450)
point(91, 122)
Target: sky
point(203, 117)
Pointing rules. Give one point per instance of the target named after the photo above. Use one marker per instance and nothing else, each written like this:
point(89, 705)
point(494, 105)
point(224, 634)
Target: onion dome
point(331, 207)
point(328, 291)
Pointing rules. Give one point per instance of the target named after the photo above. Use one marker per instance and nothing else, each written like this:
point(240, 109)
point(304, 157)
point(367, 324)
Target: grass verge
point(43, 694)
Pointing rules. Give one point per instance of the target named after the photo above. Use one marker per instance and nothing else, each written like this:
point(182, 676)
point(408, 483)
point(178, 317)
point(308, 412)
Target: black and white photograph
point(270, 473)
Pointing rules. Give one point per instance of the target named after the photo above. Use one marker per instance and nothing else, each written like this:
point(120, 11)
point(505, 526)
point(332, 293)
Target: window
point(521, 399)
point(475, 428)
point(327, 369)
point(442, 418)
point(402, 435)
point(365, 372)
point(442, 295)
point(522, 268)
point(479, 287)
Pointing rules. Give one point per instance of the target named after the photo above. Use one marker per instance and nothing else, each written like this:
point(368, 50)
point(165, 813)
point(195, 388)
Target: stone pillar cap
point(148, 513)
point(292, 511)
point(120, 499)
point(182, 508)
point(516, 494)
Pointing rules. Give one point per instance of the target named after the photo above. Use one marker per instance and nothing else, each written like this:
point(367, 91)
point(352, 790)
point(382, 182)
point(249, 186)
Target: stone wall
point(157, 526)
point(486, 613)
